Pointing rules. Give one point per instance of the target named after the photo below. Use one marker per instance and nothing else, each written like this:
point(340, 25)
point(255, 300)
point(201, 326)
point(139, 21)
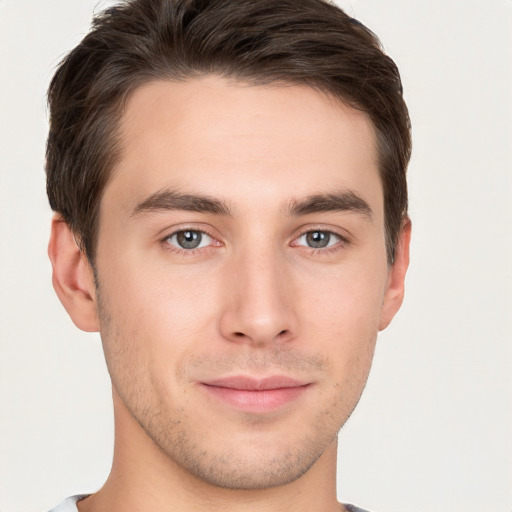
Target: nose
point(260, 305)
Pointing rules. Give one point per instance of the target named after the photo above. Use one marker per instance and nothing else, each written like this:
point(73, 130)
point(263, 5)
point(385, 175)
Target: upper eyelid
point(174, 233)
point(176, 249)
point(340, 233)
point(165, 241)
point(168, 232)
point(330, 232)
point(341, 239)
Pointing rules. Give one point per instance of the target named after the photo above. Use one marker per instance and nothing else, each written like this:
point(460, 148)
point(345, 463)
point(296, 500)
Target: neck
point(145, 478)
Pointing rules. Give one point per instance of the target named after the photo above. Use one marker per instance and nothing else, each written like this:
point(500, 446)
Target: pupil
point(189, 239)
point(318, 239)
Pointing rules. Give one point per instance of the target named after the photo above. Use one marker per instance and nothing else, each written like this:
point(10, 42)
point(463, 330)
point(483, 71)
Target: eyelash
point(187, 252)
point(339, 245)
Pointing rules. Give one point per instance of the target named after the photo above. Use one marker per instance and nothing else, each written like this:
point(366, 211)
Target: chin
point(253, 474)
point(264, 465)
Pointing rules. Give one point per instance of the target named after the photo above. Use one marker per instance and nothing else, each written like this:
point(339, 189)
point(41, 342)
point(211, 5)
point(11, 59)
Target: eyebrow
point(346, 201)
point(164, 200)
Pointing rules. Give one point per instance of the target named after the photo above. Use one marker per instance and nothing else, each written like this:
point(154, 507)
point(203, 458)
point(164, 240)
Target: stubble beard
point(173, 432)
point(231, 468)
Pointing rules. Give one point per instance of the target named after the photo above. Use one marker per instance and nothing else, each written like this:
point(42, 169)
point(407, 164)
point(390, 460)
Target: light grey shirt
point(69, 505)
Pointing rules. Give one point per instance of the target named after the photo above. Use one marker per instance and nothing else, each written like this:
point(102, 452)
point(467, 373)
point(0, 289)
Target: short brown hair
point(309, 42)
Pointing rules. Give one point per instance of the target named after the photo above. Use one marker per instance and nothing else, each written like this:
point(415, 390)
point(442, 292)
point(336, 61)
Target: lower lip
point(256, 401)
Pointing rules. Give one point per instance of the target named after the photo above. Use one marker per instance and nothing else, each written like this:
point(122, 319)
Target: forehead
point(227, 139)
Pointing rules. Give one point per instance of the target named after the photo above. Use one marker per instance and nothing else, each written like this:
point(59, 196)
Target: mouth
point(256, 395)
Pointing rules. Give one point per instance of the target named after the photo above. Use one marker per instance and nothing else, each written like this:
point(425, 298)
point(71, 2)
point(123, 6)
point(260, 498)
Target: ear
point(396, 278)
point(73, 277)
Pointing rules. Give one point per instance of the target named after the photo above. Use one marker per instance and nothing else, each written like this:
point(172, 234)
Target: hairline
point(118, 108)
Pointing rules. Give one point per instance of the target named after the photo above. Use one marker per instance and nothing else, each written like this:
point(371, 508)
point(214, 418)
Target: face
point(242, 275)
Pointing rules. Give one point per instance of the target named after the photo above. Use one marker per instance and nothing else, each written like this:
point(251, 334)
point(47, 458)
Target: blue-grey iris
point(189, 239)
point(318, 239)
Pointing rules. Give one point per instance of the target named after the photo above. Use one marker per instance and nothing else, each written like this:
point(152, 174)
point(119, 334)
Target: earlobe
point(396, 279)
point(73, 277)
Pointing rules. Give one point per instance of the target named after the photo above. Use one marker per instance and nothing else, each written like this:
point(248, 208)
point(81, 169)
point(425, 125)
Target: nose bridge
point(260, 308)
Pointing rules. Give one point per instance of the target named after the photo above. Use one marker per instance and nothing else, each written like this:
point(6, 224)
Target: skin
point(254, 299)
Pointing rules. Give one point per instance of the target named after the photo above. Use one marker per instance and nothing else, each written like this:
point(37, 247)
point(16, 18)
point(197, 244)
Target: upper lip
point(249, 383)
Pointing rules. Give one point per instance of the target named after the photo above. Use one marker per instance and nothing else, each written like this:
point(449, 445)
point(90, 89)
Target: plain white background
point(433, 430)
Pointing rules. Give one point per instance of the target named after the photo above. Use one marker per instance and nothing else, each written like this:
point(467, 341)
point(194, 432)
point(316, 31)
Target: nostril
point(239, 334)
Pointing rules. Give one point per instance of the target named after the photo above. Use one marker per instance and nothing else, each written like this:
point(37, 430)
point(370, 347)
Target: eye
point(189, 239)
point(319, 239)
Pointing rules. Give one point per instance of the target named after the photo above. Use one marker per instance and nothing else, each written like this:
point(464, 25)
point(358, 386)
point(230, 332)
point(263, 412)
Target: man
point(231, 215)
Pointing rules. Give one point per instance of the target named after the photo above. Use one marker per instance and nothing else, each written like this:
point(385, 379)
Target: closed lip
point(249, 383)
point(256, 395)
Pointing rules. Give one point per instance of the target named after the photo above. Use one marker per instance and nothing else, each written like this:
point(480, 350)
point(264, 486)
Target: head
point(233, 174)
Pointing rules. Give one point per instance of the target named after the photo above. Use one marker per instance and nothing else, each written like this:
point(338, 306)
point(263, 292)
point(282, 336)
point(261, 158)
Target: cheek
point(344, 318)
point(346, 304)
point(155, 319)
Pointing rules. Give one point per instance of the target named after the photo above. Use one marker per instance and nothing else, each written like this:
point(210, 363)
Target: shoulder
point(353, 508)
point(69, 504)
